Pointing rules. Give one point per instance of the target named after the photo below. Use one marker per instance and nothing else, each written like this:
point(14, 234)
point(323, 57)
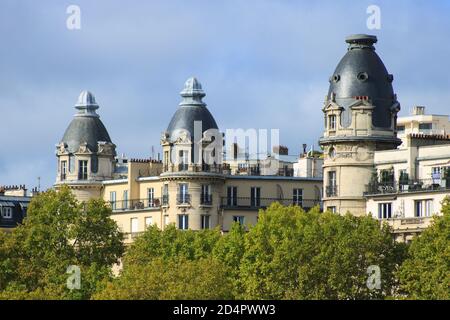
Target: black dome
point(86, 127)
point(362, 73)
point(185, 117)
point(191, 109)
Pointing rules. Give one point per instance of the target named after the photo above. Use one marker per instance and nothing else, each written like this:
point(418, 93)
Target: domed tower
point(360, 118)
point(192, 155)
point(86, 153)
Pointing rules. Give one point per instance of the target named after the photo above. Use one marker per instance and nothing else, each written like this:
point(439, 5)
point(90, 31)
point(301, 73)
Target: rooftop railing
point(432, 184)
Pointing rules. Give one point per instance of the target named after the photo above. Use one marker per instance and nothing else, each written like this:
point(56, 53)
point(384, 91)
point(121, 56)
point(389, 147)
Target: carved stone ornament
point(84, 148)
point(362, 154)
point(62, 148)
point(183, 138)
point(165, 137)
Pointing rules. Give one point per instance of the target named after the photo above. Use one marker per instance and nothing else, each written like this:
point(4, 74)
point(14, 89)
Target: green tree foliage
point(171, 264)
point(425, 274)
point(59, 232)
point(230, 250)
point(163, 279)
point(171, 243)
point(291, 254)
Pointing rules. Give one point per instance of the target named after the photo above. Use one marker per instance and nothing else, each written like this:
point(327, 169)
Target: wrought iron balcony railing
point(135, 204)
point(183, 198)
point(432, 184)
point(331, 191)
point(206, 199)
point(262, 203)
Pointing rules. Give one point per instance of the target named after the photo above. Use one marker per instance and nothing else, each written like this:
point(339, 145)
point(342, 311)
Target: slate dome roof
point(191, 109)
point(86, 126)
point(362, 73)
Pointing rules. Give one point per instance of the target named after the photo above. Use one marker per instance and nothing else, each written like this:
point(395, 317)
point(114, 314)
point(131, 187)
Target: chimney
point(281, 150)
point(418, 110)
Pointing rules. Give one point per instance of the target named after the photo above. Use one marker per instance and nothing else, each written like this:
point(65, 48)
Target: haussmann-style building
point(178, 189)
point(397, 170)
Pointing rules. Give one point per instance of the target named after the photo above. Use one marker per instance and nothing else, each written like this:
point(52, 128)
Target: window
point(151, 197)
point(7, 213)
point(125, 200)
point(255, 197)
point(184, 160)
point(206, 195)
point(183, 221)
point(332, 209)
point(332, 178)
point(423, 208)
point(166, 160)
point(183, 195)
point(232, 196)
point(400, 129)
point(165, 192)
point(298, 197)
point(63, 170)
point(71, 163)
point(331, 188)
point(239, 219)
point(425, 126)
point(112, 199)
point(134, 225)
point(332, 122)
point(148, 222)
point(385, 210)
point(205, 222)
point(82, 170)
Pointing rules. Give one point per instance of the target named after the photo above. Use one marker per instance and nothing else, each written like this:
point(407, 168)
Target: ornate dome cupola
point(86, 153)
point(192, 109)
point(361, 75)
point(187, 128)
point(360, 117)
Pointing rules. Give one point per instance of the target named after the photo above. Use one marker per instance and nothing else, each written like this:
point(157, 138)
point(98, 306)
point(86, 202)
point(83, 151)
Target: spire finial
point(86, 104)
point(361, 41)
point(192, 93)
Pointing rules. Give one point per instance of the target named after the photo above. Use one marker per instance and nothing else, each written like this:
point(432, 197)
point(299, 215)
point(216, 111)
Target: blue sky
point(263, 64)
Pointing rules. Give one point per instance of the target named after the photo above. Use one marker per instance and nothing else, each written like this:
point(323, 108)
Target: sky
point(263, 65)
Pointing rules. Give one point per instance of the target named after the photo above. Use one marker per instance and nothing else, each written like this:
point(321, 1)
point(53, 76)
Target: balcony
point(135, 205)
point(418, 185)
point(191, 168)
point(206, 199)
point(331, 191)
point(183, 199)
point(248, 203)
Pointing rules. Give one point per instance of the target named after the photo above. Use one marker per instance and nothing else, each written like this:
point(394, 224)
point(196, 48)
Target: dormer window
point(82, 170)
point(332, 122)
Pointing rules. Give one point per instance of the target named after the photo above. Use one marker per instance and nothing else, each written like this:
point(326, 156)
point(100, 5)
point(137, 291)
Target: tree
point(59, 232)
point(230, 250)
point(291, 254)
point(170, 279)
point(171, 243)
point(425, 274)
